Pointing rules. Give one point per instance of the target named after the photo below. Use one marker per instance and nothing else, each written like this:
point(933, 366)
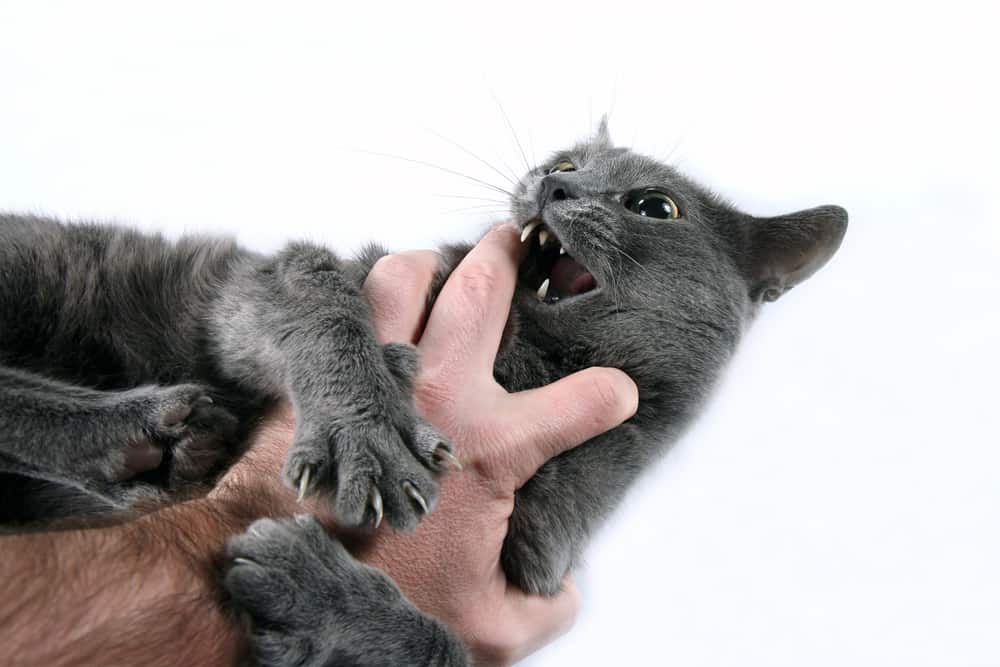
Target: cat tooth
point(530, 227)
point(543, 290)
point(543, 236)
point(562, 251)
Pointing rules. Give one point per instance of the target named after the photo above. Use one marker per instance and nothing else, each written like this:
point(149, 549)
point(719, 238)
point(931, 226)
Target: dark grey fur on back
point(131, 367)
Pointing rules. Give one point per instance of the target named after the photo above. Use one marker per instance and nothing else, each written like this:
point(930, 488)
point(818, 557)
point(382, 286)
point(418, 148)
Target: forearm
point(142, 592)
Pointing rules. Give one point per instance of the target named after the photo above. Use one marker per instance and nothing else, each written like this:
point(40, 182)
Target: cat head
point(651, 268)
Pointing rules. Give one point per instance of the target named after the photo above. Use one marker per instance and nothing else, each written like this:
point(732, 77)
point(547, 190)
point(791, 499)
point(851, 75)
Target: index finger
point(397, 289)
point(465, 326)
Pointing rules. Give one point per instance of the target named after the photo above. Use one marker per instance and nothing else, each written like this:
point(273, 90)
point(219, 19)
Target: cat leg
point(297, 324)
point(313, 605)
point(558, 509)
point(100, 441)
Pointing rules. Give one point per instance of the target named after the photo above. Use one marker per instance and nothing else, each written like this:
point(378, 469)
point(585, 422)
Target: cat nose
point(556, 188)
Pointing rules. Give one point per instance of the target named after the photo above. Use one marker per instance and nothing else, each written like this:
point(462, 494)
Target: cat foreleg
point(98, 441)
point(298, 325)
point(313, 605)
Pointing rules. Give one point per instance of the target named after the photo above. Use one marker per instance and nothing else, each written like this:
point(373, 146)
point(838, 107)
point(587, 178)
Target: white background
point(839, 501)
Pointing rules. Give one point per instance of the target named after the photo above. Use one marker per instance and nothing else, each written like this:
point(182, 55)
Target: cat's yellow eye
point(652, 204)
point(562, 165)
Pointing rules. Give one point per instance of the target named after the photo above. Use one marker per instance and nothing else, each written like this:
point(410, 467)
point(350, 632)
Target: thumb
point(536, 620)
point(567, 413)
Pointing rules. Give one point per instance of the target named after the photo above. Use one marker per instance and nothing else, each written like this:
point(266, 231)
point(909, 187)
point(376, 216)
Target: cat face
point(629, 258)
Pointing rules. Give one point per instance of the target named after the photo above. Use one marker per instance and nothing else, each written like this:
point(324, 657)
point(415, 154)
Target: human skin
point(146, 591)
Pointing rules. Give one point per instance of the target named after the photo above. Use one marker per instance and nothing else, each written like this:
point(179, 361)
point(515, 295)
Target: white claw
point(243, 561)
point(562, 251)
point(377, 506)
point(530, 227)
point(304, 482)
point(412, 492)
point(543, 236)
point(544, 289)
point(448, 457)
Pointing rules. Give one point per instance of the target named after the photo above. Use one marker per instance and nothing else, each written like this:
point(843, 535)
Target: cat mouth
point(549, 268)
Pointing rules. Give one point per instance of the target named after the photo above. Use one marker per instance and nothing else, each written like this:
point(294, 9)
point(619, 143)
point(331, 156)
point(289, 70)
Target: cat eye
point(564, 165)
point(652, 204)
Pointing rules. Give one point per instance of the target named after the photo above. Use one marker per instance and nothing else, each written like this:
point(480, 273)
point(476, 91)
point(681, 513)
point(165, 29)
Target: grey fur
point(119, 320)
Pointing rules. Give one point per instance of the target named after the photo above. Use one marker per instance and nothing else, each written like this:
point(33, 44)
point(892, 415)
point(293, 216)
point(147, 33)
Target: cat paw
point(403, 362)
point(535, 556)
point(179, 425)
point(382, 463)
point(309, 602)
point(375, 460)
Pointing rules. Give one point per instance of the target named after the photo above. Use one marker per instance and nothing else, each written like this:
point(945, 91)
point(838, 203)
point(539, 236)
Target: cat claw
point(412, 492)
point(304, 482)
point(443, 456)
point(376, 501)
point(243, 561)
point(204, 400)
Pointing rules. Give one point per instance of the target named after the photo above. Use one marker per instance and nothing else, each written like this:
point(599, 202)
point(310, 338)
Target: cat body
point(131, 366)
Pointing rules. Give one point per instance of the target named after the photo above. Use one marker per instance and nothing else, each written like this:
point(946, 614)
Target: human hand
point(450, 566)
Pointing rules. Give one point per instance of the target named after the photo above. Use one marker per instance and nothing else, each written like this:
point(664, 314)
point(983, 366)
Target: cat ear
point(787, 249)
point(602, 138)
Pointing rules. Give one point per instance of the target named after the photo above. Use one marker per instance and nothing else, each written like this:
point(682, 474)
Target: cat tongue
point(569, 277)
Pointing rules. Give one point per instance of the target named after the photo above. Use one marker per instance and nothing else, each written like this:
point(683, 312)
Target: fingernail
point(626, 388)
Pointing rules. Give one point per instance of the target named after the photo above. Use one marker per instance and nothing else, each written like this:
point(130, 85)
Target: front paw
point(309, 601)
point(373, 456)
point(381, 463)
point(537, 553)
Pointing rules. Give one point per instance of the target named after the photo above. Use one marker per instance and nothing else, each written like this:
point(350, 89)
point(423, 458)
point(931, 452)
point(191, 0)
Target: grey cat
point(130, 366)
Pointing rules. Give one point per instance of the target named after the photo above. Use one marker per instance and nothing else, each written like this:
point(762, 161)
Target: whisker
point(622, 252)
point(499, 201)
point(512, 132)
point(478, 207)
point(438, 167)
point(473, 155)
point(507, 166)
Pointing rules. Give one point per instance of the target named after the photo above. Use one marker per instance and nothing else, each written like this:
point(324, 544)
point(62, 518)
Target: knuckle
point(481, 278)
point(603, 393)
point(433, 394)
point(493, 646)
point(392, 271)
point(609, 394)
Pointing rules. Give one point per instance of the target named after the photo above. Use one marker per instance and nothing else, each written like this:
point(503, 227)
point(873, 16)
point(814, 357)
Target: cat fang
point(561, 276)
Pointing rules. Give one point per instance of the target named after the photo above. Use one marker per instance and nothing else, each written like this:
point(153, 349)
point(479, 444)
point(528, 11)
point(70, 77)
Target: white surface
point(838, 502)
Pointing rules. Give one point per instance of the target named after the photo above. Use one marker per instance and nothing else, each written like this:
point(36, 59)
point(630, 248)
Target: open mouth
point(550, 269)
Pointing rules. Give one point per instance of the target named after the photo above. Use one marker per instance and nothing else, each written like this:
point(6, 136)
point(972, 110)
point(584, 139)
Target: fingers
point(396, 289)
point(464, 330)
point(564, 414)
